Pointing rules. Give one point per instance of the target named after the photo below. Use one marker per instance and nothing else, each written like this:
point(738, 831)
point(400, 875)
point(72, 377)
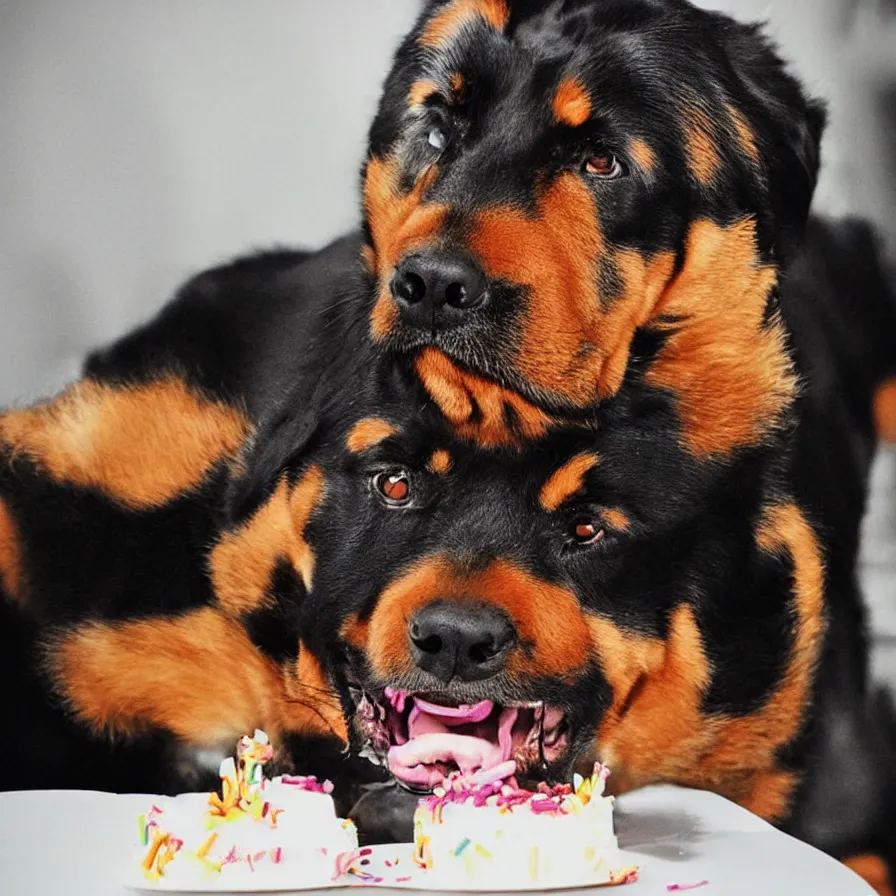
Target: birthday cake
point(497, 835)
point(253, 823)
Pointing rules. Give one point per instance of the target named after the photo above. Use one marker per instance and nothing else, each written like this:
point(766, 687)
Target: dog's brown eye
point(605, 166)
point(393, 487)
point(587, 533)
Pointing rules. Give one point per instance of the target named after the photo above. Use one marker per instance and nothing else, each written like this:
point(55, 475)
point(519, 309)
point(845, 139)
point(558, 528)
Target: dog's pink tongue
point(435, 745)
point(451, 715)
point(425, 760)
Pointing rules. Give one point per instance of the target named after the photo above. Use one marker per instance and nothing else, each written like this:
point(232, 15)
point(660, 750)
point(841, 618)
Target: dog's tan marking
point(655, 729)
point(440, 462)
point(727, 366)
point(243, 561)
point(745, 135)
point(368, 433)
point(571, 104)
point(197, 675)
point(309, 695)
point(478, 408)
point(873, 869)
point(399, 223)
point(643, 156)
point(702, 150)
point(181, 673)
point(421, 91)
point(303, 501)
point(11, 577)
point(574, 340)
point(885, 411)
point(453, 16)
point(616, 519)
point(566, 481)
point(553, 635)
point(142, 445)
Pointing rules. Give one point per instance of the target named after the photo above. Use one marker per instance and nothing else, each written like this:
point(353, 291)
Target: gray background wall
point(141, 140)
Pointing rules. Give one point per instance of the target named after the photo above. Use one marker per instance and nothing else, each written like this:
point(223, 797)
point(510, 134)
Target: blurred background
point(141, 142)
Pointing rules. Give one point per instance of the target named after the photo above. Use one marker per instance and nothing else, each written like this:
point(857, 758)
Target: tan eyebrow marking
point(571, 103)
point(616, 519)
point(643, 155)
point(440, 462)
point(368, 432)
point(453, 16)
point(421, 91)
point(565, 481)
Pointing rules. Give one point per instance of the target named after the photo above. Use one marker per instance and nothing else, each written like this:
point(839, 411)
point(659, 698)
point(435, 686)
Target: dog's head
point(546, 180)
point(592, 593)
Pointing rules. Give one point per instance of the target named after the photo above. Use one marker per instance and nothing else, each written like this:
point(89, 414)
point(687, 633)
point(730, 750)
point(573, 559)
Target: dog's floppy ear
point(287, 437)
point(279, 444)
point(788, 125)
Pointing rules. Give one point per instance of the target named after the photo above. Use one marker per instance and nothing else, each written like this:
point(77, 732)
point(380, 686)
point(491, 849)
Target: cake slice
point(254, 823)
point(497, 836)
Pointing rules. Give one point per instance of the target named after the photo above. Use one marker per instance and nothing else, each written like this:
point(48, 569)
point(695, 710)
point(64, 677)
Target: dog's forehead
point(561, 29)
point(509, 41)
point(513, 72)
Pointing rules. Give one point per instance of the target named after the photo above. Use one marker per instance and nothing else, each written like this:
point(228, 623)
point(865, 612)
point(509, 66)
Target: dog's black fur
point(837, 303)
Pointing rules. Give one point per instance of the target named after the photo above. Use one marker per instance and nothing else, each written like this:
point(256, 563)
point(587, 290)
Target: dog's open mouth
point(424, 737)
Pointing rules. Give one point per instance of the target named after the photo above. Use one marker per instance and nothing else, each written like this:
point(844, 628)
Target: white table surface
point(70, 843)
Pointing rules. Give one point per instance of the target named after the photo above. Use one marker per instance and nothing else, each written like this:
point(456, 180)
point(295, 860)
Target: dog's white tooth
point(369, 752)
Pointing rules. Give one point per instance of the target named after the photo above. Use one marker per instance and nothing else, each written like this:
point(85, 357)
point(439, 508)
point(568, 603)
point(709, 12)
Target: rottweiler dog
point(564, 454)
point(360, 577)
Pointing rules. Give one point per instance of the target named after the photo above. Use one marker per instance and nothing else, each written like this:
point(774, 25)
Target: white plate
point(74, 843)
point(390, 867)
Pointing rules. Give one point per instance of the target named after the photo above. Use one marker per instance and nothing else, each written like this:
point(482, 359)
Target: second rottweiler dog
point(367, 575)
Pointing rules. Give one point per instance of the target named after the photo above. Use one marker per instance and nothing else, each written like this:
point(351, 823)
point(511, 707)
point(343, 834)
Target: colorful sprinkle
point(533, 862)
point(680, 888)
point(344, 862)
point(625, 876)
point(557, 799)
point(203, 850)
point(309, 783)
point(461, 846)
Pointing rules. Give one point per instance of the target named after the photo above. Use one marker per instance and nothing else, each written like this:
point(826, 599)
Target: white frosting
point(307, 832)
point(514, 847)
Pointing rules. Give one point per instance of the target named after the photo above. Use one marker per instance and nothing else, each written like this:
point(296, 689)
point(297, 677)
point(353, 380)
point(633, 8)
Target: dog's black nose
point(437, 287)
point(468, 641)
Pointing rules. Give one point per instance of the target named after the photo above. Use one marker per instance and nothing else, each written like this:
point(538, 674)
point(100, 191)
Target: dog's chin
point(422, 738)
point(478, 355)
